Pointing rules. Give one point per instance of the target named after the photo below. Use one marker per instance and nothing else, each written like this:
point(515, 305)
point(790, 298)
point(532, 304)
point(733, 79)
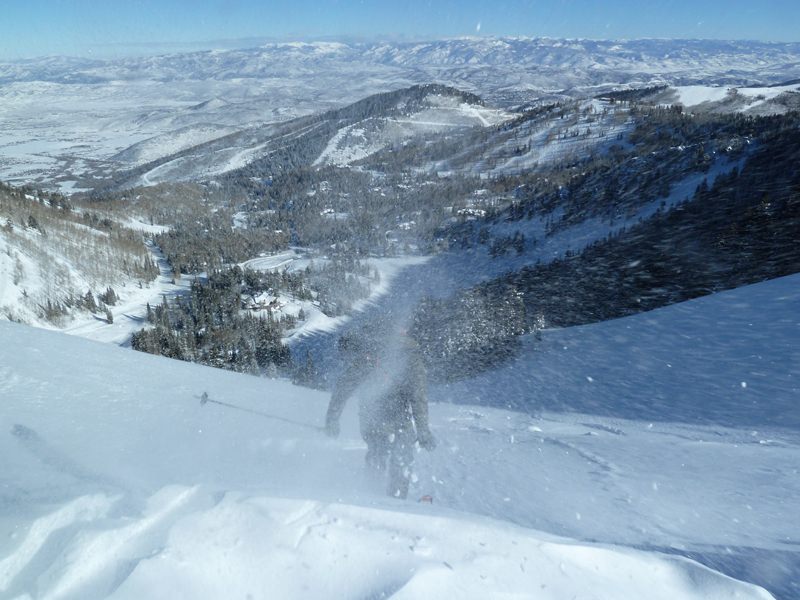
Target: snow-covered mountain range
point(578, 60)
point(64, 118)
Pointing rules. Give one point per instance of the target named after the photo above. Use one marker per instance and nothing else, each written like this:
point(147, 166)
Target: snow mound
point(189, 544)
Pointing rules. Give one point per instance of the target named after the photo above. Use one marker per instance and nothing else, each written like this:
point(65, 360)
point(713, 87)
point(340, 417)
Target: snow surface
point(692, 95)
point(119, 484)
point(741, 98)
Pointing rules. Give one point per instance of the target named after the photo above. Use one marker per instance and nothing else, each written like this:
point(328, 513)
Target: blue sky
point(116, 27)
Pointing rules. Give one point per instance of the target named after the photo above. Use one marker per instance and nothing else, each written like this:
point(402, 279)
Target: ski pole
point(204, 399)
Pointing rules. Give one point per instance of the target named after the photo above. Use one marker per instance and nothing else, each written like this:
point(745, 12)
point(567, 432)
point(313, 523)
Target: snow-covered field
point(118, 484)
point(745, 98)
point(761, 100)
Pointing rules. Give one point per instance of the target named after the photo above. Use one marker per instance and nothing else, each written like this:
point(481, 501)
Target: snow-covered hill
point(118, 483)
point(443, 114)
point(171, 143)
point(58, 261)
point(339, 137)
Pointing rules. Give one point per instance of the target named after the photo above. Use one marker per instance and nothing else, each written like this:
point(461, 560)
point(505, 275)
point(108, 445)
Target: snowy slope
point(118, 483)
point(749, 99)
point(731, 358)
point(591, 127)
point(61, 261)
point(170, 143)
point(360, 140)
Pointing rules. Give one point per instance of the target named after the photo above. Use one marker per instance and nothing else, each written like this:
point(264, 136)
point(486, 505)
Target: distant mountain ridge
point(383, 119)
point(461, 59)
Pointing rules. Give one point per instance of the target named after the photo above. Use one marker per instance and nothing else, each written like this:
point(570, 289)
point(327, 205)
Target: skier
point(393, 405)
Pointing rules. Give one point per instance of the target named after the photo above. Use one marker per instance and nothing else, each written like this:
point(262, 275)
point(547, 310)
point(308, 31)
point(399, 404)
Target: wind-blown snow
point(315, 320)
point(117, 482)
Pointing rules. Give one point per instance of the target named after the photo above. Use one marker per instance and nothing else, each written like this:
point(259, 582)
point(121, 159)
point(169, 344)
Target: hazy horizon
point(80, 28)
point(123, 50)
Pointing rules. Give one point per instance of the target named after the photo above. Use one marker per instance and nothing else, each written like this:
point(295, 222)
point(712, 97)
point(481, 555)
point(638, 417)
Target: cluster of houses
point(262, 301)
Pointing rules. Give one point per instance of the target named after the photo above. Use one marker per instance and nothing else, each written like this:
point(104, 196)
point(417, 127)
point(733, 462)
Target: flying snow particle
point(589, 379)
point(478, 27)
point(744, 384)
